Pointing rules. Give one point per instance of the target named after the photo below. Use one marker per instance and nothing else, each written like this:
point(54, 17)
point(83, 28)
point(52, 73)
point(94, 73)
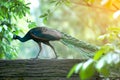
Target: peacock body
point(44, 35)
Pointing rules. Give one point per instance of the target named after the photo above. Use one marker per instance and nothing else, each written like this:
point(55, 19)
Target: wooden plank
point(42, 69)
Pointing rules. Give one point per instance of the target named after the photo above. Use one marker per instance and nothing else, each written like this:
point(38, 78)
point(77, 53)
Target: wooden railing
point(42, 69)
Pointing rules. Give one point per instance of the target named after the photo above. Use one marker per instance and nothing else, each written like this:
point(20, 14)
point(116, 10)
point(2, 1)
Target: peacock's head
point(15, 36)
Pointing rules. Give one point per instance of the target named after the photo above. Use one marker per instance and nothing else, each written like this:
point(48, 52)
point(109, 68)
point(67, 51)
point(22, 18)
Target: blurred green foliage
point(10, 11)
point(106, 60)
point(49, 12)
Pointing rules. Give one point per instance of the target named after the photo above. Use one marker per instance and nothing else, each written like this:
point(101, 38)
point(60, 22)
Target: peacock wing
point(46, 34)
point(52, 34)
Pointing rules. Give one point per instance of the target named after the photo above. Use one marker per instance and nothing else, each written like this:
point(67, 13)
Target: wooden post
point(42, 69)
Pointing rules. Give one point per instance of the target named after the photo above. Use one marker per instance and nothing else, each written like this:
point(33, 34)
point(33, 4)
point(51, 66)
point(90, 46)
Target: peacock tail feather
point(86, 49)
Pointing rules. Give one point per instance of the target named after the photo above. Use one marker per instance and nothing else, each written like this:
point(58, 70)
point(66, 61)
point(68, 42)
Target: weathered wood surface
point(42, 69)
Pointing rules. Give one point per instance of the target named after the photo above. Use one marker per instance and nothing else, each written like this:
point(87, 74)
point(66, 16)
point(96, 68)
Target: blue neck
point(24, 39)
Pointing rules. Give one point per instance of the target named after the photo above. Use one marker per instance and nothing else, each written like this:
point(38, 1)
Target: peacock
point(45, 35)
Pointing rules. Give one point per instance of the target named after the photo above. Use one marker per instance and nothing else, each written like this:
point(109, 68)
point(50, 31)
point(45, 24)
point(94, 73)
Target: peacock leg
point(40, 48)
point(47, 43)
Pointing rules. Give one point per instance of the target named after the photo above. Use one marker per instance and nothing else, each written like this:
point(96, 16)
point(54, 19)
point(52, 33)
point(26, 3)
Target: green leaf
point(87, 70)
point(0, 29)
point(104, 71)
point(32, 25)
point(116, 58)
point(71, 71)
point(53, 1)
point(1, 55)
point(78, 67)
point(98, 54)
point(48, 11)
point(28, 3)
point(67, 2)
point(45, 20)
point(58, 3)
point(102, 67)
point(44, 15)
point(102, 51)
point(112, 58)
point(102, 37)
point(5, 27)
point(101, 63)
